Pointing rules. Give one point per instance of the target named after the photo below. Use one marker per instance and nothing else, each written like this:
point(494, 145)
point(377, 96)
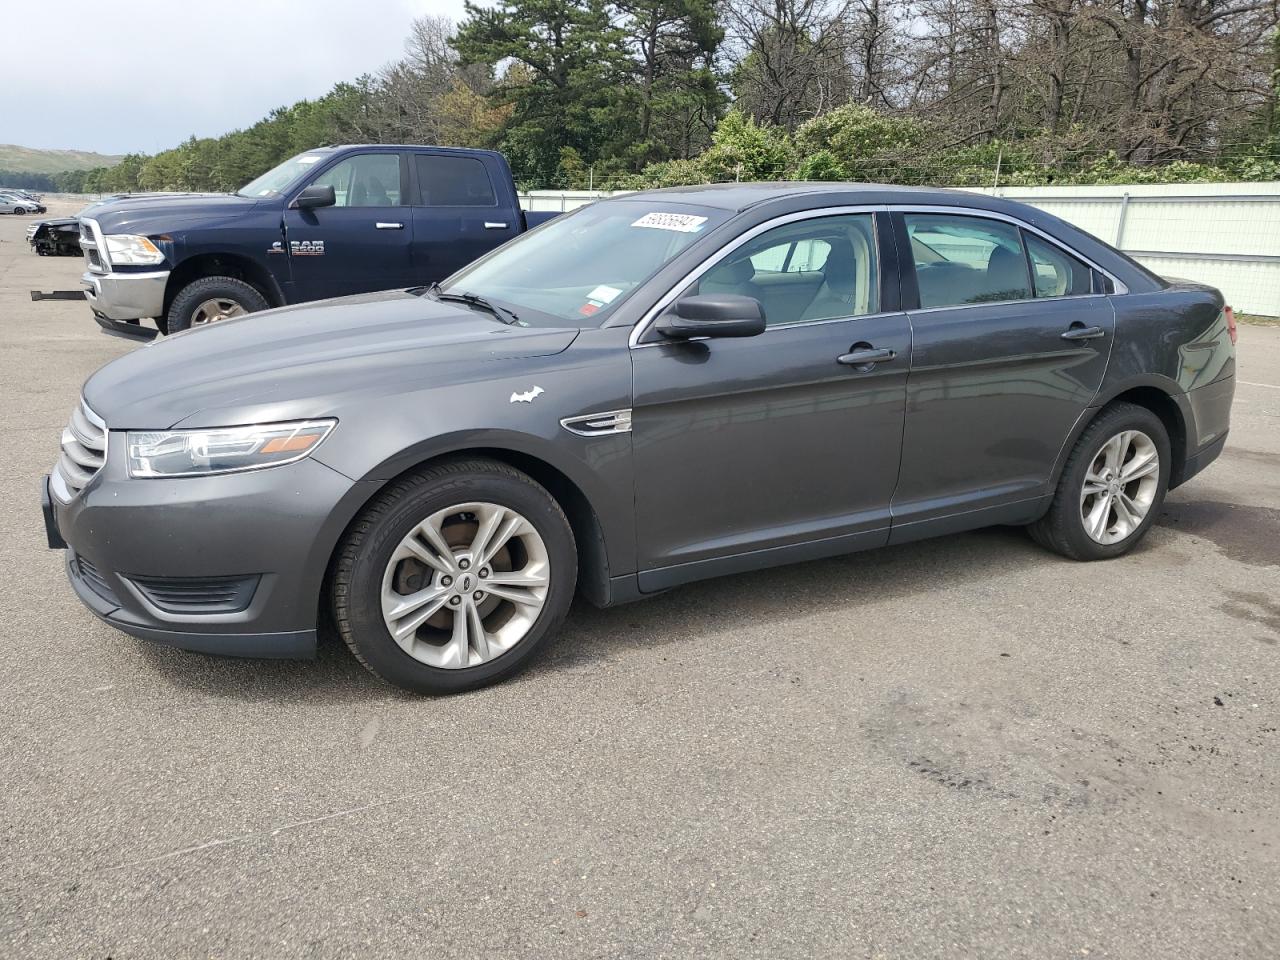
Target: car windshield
point(275, 180)
point(581, 266)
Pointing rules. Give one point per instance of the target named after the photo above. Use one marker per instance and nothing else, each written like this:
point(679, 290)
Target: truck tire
point(210, 299)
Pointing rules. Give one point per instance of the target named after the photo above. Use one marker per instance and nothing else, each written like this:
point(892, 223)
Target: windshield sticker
point(679, 222)
point(588, 308)
point(309, 159)
point(604, 294)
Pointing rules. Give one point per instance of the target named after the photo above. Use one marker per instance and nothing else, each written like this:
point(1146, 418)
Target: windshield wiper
point(471, 300)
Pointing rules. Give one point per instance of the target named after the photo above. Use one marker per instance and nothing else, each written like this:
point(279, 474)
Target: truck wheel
point(211, 299)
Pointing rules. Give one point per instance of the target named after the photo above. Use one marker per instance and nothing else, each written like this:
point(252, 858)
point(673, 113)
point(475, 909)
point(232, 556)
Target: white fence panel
point(1224, 234)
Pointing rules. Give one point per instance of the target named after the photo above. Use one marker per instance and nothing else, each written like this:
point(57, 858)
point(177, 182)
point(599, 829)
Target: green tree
point(671, 101)
point(565, 96)
point(863, 143)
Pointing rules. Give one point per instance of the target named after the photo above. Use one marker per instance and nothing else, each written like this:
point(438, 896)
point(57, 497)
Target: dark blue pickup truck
point(326, 223)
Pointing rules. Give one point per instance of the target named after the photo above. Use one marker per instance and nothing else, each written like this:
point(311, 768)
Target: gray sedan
point(20, 203)
point(652, 390)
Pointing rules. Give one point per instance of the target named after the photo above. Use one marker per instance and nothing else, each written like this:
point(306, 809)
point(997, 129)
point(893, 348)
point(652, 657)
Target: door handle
point(389, 226)
point(494, 225)
point(1078, 331)
point(864, 356)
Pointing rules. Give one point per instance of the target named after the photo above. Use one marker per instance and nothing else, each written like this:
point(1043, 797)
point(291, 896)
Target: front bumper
point(270, 526)
point(125, 296)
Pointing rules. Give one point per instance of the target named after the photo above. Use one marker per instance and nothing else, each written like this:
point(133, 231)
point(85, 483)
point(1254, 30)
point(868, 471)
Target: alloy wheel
point(218, 308)
point(465, 585)
point(1120, 487)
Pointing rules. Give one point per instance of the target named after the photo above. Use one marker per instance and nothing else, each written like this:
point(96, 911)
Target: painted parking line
point(1251, 383)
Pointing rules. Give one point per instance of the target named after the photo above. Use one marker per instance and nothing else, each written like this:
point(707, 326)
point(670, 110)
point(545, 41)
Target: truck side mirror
point(316, 195)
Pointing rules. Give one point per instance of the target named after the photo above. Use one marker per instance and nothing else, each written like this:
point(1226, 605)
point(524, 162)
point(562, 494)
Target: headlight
point(128, 250)
point(198, 453)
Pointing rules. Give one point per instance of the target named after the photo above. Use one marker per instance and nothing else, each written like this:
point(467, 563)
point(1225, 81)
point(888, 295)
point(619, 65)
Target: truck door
point(456, 214)
point(360, 244)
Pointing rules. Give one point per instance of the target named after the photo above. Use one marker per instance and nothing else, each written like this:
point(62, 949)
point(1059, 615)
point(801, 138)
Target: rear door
point(364, 241)
point(1010, 340)
point(457, 216)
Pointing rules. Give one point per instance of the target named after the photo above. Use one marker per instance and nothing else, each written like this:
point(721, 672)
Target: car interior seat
point(1006, 276)
point(835, 297)
point(376, 194)
point(733, 277)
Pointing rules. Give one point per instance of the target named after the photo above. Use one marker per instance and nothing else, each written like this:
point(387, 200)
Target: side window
point(961, 260)
point(445, 181)
point(793, 256)
point(365, 180)
point(818, 269)
point(1056, 272)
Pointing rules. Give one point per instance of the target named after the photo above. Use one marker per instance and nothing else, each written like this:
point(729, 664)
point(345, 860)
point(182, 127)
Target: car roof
point(391, 147)
point(742, 196)
point(795, 196)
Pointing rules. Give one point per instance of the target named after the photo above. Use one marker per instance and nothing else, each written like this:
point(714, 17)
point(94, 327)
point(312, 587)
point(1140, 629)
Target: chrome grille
point(84, 450)
point(93, 257)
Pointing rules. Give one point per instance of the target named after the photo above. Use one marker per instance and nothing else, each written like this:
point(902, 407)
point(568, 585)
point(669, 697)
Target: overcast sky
point(143, 75)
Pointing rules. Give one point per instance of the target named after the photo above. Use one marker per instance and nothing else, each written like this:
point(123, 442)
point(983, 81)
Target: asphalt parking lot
point(964, 747)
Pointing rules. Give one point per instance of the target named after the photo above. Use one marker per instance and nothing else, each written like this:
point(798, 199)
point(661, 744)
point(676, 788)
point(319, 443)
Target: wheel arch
point(1154, 394)
point(221, 265)
point(584, 519)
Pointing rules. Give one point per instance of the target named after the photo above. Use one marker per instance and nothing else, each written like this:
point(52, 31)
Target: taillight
point(1231, 324)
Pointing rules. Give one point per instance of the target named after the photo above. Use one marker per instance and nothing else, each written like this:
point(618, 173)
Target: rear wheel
point(1111, 488)
point(211, 299)
point(454, 577)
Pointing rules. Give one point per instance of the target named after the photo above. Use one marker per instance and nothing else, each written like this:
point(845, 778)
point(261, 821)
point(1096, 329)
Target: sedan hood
point(307, 360)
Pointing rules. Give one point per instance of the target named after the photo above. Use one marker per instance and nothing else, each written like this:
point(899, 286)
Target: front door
point(360, 244)
point(1010, 344)
point(781, 446)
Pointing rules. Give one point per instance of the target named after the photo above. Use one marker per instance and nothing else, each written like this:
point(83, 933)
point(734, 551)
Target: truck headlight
point(128, 250)
point(199, 453)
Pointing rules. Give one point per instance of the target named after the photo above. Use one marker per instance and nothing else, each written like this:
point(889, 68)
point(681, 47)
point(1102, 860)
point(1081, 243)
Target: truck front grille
point(84, 450)
point(93, 258)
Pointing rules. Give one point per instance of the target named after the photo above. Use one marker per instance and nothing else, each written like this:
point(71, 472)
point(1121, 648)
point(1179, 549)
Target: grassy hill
point(13, 157)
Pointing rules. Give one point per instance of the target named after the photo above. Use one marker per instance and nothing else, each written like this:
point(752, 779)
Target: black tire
point(355, 578)
point(189, 298)
point(19, 210)
point(1062, 529)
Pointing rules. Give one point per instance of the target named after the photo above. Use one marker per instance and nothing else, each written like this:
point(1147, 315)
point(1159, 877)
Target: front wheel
point(454, 577)
point(211, 299)
point(1111, 488)
point(19, 210)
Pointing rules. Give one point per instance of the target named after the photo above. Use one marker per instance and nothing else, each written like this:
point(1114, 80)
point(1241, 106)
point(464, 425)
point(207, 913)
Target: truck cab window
point(448, 181)
point(365, 180)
